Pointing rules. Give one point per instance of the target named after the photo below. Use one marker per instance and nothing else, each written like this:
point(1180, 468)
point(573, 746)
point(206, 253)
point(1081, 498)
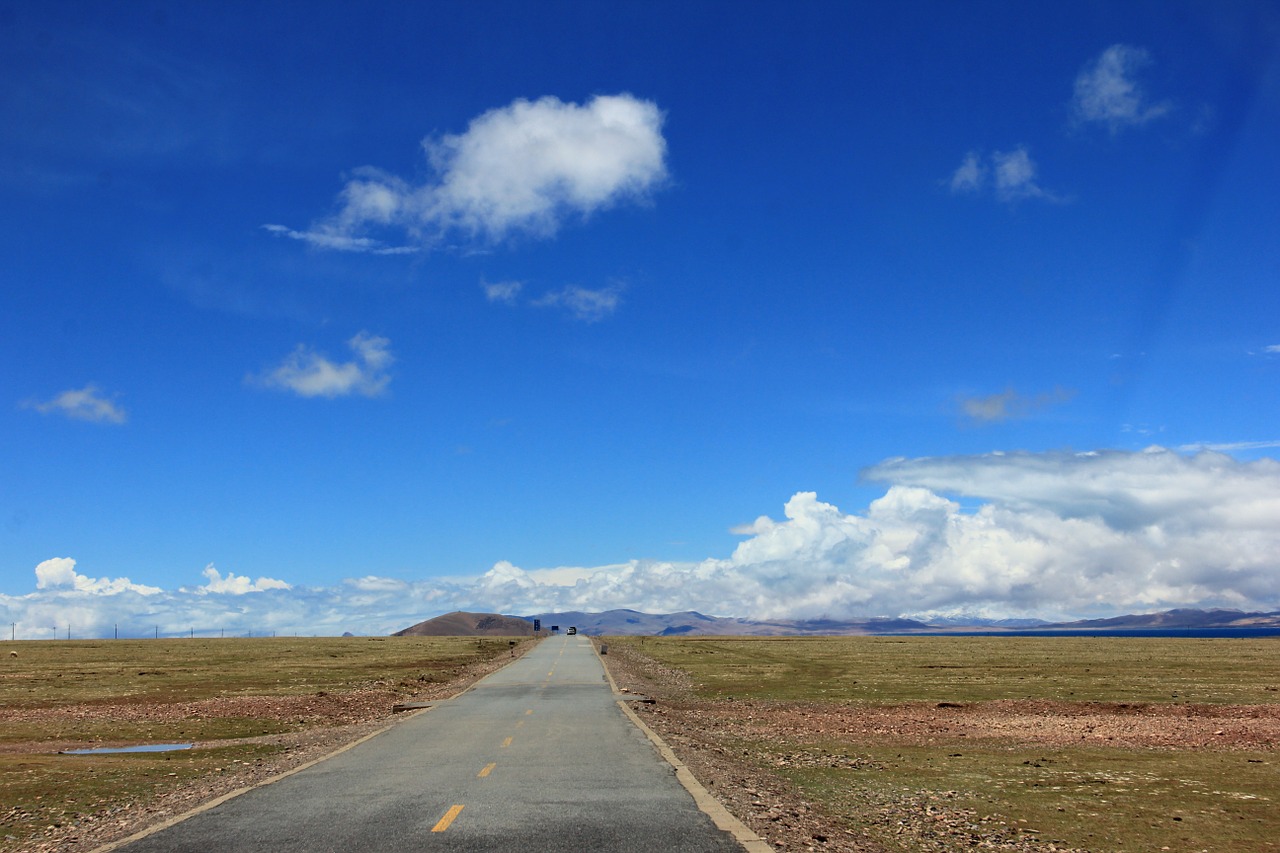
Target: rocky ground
point(702, 733)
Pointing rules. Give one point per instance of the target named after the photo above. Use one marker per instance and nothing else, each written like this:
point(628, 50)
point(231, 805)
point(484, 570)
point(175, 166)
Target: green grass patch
point(890, 670)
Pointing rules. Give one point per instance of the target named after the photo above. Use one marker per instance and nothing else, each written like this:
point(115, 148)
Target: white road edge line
point(706, 803)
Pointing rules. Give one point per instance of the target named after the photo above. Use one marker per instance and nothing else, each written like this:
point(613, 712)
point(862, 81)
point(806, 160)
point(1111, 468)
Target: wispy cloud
point(327, 236)
point(1014, 174)
point(1229, 446)
point(1010, 405)
point(1055, 535)
point(307, 373)
point(522, 169)
point(1107, 91)
point(971, 176)
point(1010, 175)
point(84, 404)
point(502, 292)
point(589, 306)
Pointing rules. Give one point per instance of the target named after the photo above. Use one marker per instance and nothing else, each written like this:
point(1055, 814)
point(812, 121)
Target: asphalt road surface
point(536, 757)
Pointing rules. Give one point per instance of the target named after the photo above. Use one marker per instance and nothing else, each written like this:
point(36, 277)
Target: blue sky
point(319, 318)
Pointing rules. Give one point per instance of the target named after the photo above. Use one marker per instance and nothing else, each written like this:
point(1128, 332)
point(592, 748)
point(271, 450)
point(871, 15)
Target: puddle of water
point(146, 747)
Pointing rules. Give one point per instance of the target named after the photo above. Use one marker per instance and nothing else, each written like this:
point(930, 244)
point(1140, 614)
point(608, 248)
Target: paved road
point(536, 757)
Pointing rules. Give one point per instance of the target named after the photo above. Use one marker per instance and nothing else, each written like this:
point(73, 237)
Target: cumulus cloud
point(1106, 91)
point(522, 169)
point(589, 306)
point(1054, 535)
point(59, 573)
point(84, 404)
point(307, 373)
point(234, 584)
point(1009, 405)
point(1010, 175)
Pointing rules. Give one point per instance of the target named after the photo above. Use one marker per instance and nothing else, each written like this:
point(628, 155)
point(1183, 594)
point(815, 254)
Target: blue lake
point(146, 747)
point(1201, 633)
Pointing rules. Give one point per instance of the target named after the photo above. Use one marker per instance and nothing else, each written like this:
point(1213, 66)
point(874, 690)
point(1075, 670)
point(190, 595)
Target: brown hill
point(461, 624)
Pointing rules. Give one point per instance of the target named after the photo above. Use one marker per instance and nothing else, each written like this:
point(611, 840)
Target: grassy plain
point(975, 669)
point(82, 692)
point(1093, 796)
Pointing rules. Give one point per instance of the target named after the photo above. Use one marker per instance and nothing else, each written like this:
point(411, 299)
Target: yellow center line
point(447, 819)
point(488, 768)
point(528, 712)
point(519, 723)
point(507, 742)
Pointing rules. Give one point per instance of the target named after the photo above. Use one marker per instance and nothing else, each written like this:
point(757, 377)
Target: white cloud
point(309, 374)
point(328, 237)
point(520, 169)
point(589, 306)
point(1010, 175)
point(59, 573)
point(234, 584)
point(970, 176)
point(504, 292)
point(1272, 348)
point(1230, 446)
point(1055, 535)
point(1015, 176)
point(1106, 90)
point(84, 404)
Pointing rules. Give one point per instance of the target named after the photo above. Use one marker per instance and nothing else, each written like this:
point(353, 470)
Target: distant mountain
point(692, 623)
point(460, 624)
point(1183, 619)
point(970, 623)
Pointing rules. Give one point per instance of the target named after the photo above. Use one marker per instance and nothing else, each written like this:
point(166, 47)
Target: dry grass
point(940, 743)
point(889, 670)
point(245, 701)
point(78, 672)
